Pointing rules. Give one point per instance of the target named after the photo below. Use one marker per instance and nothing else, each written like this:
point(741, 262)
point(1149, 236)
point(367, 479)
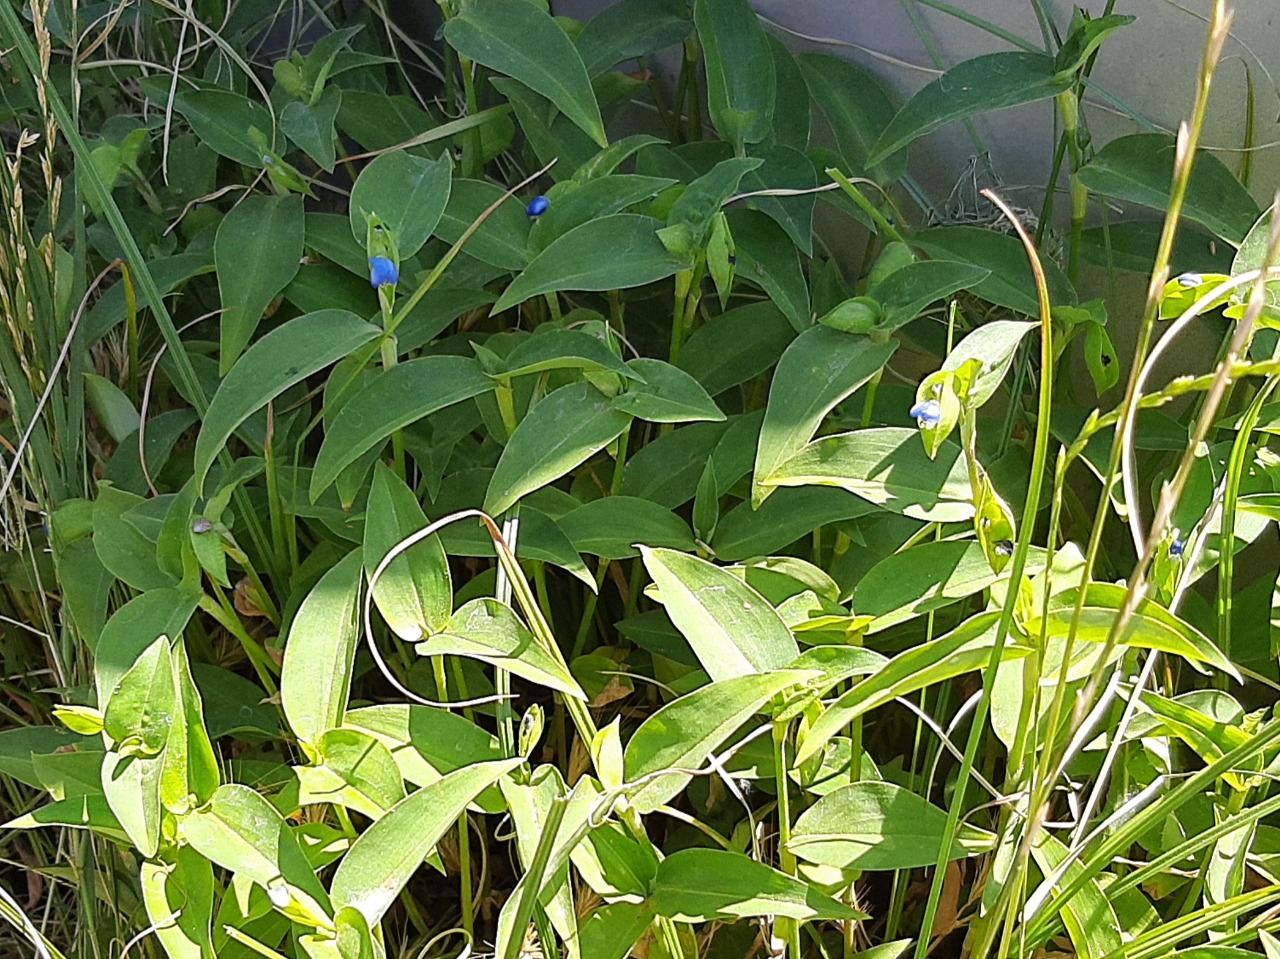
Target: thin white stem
point(1129, 475)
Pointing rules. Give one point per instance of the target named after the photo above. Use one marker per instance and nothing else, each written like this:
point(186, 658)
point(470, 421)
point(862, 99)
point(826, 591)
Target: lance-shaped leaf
point(285, 356)
point(683, 733)
point(387, 854)
point(558, 434)
point(820, 368)
point(730, 626)
point(318, 655)
point(522, 40)
point(889, 467)
point(610, 253)
point(397, 397)
point(702, 885)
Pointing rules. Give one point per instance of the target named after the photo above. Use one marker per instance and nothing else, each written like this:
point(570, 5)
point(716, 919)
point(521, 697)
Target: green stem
point(531, 882)
point(1017, 566)
point(786, 859)
point(464, 867)
point(220, 609)
point(881, 221)
point(1235, 474)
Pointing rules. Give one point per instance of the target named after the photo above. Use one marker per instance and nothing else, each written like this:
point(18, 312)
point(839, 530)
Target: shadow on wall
point(1146, 69)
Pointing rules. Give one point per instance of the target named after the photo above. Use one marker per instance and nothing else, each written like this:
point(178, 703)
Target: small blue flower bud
point(201, 525)
point(537, 206)
point(1177, 547)
point(927, 414)
point(1004, 548)
point(1190, 281)
point(382, 272)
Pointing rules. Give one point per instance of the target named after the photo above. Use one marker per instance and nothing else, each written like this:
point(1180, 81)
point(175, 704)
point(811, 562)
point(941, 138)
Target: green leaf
point(386, 855)
point(312, 126)
point(574, 262)
point(19, 747)
point(181, 885)
point(561, 432)
point(133, 628)
point(396, 398)
point(222, 120)
point(1011, 283)
point(140, 709)
point(666, 471)
point(905, 292)
point(684, 732)
point(703, 198)
point(124, 552)
point(114, 410)
point(964, 649)
point(81, 812)
point(994, 344)
point(731, 627)
point(768, 258)
point(610, 931)
point(489, 631)
point(535, 811)
point(1151, 626)
point(584, 198)
point(858, 110)
point(561, 349)
point(1252, 255)
point(1091, 921)
point(630, 29)
point(792, 108)
point(878, 825)
point(821, 368)
point(257, 251)
point(925, 577)
point(981, 85)
point(415, 593)
point(889, 467)
point(736, 346)
point(131, 785)
point(703, 885)
point(501, 240)
point(426, 743)
point(541, 538)
point(786, 516)
point(523, 41)
point(241, 831)
point(610, 527)
point(284, 357)
point(607, 161)
point(786, 168)
point(407, 193)
point(665, 394)
point(1139, 169)
point(1132, 245)
point(551, 134)
point(315, 676)
point(189, 774)
point(739, 68)
point(354, 770)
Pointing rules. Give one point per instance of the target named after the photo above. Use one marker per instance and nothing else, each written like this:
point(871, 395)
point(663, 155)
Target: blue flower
point(382, 272)
point(1177, 547)
point(927, 414)
point(537, 206)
